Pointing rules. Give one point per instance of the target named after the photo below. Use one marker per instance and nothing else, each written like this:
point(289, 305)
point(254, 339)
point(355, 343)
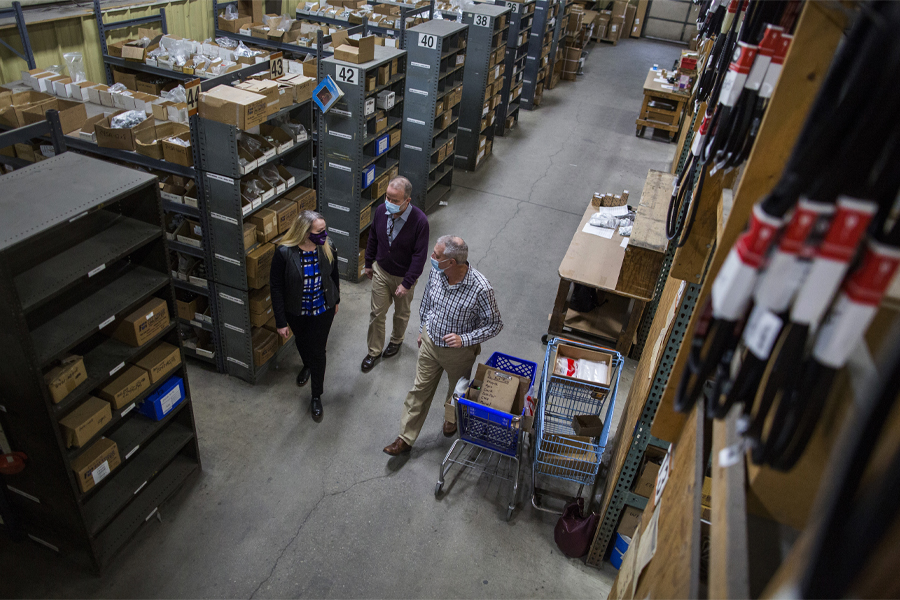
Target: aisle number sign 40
point(482, 21)
point(427, 40)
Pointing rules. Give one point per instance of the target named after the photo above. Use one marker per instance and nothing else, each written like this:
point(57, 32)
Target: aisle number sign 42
point(348, 75)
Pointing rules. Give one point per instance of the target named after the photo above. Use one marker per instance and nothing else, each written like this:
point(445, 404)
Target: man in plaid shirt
point(458, 312)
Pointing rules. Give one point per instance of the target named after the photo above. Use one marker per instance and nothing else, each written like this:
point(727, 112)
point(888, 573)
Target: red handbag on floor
point(574, 532)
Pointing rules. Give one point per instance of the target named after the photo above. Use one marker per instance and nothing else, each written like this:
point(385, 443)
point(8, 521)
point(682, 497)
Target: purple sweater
point(406, 257)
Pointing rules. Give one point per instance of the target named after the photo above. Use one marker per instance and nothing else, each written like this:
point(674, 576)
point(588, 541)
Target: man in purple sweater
point(395, 258)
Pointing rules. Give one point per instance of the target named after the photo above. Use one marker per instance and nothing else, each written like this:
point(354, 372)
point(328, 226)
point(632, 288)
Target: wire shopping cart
point(559, 453)
point(485, 433)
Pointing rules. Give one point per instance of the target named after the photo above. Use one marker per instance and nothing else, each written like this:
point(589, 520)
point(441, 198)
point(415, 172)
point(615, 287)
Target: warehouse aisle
point(288, 508)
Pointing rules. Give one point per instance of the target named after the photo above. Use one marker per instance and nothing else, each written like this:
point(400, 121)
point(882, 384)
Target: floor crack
point(499, 231)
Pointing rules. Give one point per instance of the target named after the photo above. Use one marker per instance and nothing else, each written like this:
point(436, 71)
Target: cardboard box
point(187, 308)
point(631, 518)
point(260, 300)
point(259, 263)
point(258, 319)
point(302, 86)
point(96, 463)
point(62, 379)
point(190, 233)
point(154, 87)
point(304, 197)
point(234, 25)
point(395, 137)
point(233, 106)
point(353, 51)
point(379, 188)
point(254, 8)
point(11, 113)
point(121, 391)
point(265, 343)
point(476, 389)
point(587, 425)
point(638, 24)
point(266, 222)
point(384, 74)
point(498, 390)
point(249, 236)
point(286, 213)
point(137, 328)
point(83, 423)
point(160, 361)
point(646, 483)
point(121, 139)
point(269, 89)
point(127, 79)
point(628, 24)
point(149, 141)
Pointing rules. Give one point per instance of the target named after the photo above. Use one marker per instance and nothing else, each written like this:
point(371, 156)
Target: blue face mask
point(391, 208)
point(436, 264)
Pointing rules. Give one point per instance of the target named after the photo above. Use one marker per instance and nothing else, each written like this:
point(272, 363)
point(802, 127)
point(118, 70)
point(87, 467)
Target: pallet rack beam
point(15, 12)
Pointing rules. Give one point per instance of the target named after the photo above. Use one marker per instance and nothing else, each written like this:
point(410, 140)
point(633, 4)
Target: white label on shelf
point(341, 167)
point(97, 270)
point(342, 259)
point(338, 207)
point(43, 543)
point(238, 362)
point(168, 401)
point(465, 129)
point(225, 296)
point(527, 81)
point(426, 40)
point(233, 328)
point(150, 316)
point(338, 134)
point(2, 408)
point(228, 259)
point(340, 231)
point(223, 218)
point(100, 473)
point(416, 121)
point(130, 408)
point(532, 58)
point(116, 369)
point(132, 451)
point(76, 217)
point(23, 494)
point(150, 516)
point(419, 92)
point(107, 322)
point(416, 148)
point(140, 487)
point(414, 64)
point(337, 111)
point(197, 324)
point(221, 178)
point(348, 75)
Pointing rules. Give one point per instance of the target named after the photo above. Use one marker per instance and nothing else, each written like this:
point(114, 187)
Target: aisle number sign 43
point(276, 65)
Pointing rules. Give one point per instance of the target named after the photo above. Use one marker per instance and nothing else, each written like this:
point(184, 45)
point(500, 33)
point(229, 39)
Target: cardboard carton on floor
point(80, 425)
point(139, 327)
point(96, 463)
point(232, 106)
point(62, 379)
point(265, 343)
point(160, 361)
point(125, 387)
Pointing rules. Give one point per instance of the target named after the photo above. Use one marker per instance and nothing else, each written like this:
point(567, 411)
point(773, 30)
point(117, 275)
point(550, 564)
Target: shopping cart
point(558, 453)
point(485, 433)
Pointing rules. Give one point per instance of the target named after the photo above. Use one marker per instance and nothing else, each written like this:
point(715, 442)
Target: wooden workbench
point(654, 112)
point(626, 277)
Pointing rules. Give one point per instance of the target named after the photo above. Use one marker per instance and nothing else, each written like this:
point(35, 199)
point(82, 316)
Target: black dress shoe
point(368, 363)
point(391, 350)
point(303, 376)
point(316, 409)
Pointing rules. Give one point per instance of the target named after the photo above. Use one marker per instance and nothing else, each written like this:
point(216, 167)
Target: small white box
point(385, 100)
point(370, 106)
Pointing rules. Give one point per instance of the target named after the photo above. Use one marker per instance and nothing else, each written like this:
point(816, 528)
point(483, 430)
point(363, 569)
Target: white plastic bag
point(231, 13)
point(77, 71)
point(582, 369)
point(604, 220)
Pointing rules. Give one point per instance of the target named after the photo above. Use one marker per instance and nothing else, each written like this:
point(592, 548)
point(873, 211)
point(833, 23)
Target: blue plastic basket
point(489, 428)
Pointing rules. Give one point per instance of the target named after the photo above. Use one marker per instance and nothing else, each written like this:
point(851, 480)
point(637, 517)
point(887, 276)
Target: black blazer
point(286, 282)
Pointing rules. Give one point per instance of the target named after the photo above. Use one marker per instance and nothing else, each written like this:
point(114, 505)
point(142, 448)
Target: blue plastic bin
point(164, 400)
point(619, 550)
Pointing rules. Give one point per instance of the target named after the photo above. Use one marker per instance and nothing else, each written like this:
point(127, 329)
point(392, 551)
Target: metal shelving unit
point(433, 77)
point(559, 37)
point(271, 44)
point(539, 48)
point(399, 34)
point(521, 19)
point(347, 145)
point(87, 254)
point(15, 12)
point(488, 30)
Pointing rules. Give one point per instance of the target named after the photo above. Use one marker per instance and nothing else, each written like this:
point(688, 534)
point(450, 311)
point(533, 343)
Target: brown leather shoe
point(449, 429)
point(397, 448)
point(368, 363)
point(391, 350)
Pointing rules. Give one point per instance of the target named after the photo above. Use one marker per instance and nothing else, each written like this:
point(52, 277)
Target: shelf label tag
point(416, 64)
point(76, 217)
point(225, 218)
point(342, 259)
point(225, 296)
point(416, 121)
point(426, 40)
point(192, 91)
point(107, 322)
point(234, 328)
point(340, 231)
point(465, 129)
point(343, 113)
point(348, 75)
point(150, 516)
point(238, 362)
point(340, 167)
point(276, 65)
point(221, 178)
point(23, 494)
point(140, 487)
point(116, 369)
point(97, 270)
point(416, 148)
point(130, 454)
point(338, 134)
point(419, 92)
point(339, 207)
point(100, 473)
point(228, 260)
point(128, 410)
point(43, 543)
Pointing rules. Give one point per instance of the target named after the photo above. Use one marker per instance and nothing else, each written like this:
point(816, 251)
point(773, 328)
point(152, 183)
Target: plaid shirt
point(467, 309)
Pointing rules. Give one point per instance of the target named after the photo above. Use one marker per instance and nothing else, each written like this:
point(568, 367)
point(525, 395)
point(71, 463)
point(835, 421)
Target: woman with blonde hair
point(306, 292)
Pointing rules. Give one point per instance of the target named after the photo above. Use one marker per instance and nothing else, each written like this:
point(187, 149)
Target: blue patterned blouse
point(313, 293)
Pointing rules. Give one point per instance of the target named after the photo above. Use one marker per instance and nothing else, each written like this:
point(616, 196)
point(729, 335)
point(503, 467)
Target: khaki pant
point(431, 364)
point(383, 287)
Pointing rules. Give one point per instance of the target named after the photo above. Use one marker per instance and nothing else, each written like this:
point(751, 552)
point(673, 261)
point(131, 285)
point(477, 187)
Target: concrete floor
point(288, 508)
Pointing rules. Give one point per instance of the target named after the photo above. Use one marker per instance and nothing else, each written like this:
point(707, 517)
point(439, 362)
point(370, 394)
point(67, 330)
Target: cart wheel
point(545, 338)
point(509, 514)
point(638, 132)
point(437, 489)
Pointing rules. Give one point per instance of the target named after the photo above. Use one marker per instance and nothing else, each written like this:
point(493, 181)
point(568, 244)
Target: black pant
point(311, 333)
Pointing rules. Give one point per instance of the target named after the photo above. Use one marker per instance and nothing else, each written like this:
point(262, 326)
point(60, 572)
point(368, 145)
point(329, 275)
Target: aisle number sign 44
point(192, 91)
point(482, 20)
point(276, 65)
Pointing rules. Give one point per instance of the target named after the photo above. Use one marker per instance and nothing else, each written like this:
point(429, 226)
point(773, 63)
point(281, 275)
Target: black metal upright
point(15, 12)
point(521, 18)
